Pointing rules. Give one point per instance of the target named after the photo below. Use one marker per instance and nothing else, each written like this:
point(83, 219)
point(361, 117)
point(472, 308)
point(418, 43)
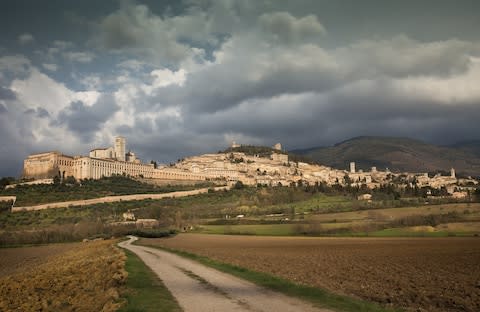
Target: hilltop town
point(249, 165)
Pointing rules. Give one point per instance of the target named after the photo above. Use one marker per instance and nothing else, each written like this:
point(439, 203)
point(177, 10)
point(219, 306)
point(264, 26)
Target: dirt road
point(199, 288)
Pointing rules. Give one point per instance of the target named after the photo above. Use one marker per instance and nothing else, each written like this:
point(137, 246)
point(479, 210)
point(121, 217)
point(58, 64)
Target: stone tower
point(120, 143)
point(352, 167)
point(452, 173)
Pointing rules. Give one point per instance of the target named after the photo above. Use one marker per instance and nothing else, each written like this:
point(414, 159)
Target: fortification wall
point(40, 166)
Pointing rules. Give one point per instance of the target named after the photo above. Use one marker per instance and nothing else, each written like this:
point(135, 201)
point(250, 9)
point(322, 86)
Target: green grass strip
point(145, 291)
point(317, 296)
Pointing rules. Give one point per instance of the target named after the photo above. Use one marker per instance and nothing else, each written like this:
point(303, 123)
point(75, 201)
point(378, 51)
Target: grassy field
point(431, 221)
point(66, 277)
point(257, 203)
point(267, 211)
point(145, 292)
point(472, 210)
point(471, 229)
point(249, 229)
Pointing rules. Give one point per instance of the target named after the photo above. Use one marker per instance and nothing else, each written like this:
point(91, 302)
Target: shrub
point(152, 233)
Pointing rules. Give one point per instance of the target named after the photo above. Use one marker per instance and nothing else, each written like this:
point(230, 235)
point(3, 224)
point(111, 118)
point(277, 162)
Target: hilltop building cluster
point(273, 168)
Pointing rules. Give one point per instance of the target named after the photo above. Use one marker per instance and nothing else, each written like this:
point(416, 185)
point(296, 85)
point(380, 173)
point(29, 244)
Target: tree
point(70, 180)
point(6, 181)
point(238, 185)
point(347, 180)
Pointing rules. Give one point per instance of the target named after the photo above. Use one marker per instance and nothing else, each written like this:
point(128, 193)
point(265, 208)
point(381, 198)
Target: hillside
point(398, 154)
point(86, 189)
point(468, 146)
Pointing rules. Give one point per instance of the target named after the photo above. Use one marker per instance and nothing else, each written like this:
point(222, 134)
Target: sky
point(181, 78)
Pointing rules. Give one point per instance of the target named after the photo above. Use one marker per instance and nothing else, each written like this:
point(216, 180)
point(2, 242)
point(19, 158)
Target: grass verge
point(145, 291)
point(317, 296)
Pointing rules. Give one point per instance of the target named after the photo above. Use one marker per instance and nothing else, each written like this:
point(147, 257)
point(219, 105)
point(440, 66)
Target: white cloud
point(87, 97)
point(92, 82)
point(62, 45)
point(166, 77)
point(39, 90)
point(58, 46)
point(80, 57)
point(216, 74)
point(50, 67)
point(16, 64)
point(134, 65)
point(136, 28)
point(402, 56)
point(286, 28)
point(453, 90)
point(25, 38)
point(167, 40)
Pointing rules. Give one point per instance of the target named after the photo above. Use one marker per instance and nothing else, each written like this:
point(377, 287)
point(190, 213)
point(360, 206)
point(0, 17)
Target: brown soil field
point(17, 259)
point(63, 277)
point(417, 274)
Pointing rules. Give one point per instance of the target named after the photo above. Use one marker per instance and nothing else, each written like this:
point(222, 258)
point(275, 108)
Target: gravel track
point(199, 288)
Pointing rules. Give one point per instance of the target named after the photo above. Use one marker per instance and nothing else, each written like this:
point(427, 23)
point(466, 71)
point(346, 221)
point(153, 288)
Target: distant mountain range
point(398, 154)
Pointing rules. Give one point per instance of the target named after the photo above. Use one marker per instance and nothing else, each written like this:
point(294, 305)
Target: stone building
point(277, 147)
point(108, 153)
point(48, 165)
point(283, 158)
point(120, 143)
point(95, 168)
point(274, 169)
point(100, 162)
point(352, 167)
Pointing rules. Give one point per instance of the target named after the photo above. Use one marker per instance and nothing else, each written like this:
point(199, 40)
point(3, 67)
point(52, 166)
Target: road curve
point(199, 288)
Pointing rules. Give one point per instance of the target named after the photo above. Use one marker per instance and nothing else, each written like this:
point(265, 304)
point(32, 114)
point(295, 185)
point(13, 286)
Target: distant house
point(365, 197)
point(128, 216)
point(459, 195)
point(147, 223)
point(12, 199)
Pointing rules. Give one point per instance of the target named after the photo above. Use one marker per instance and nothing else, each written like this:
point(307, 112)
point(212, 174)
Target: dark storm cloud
point(135, 29)
point(250, 74)
point(402, 56)
point(7, 94)
point(42, 113)
point(311, 120)
point(39, 112)
point(15, 138)
point(287, 29)
point(201, 96)
point(86, 120)
point(170, 147)
point(187, 77)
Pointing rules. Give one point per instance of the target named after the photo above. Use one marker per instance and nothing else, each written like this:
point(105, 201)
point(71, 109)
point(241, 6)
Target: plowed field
point(419, 274)
point(65, 277)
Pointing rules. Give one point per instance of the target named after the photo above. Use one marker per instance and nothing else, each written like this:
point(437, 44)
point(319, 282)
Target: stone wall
point(111, 199)
point(47, 165)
